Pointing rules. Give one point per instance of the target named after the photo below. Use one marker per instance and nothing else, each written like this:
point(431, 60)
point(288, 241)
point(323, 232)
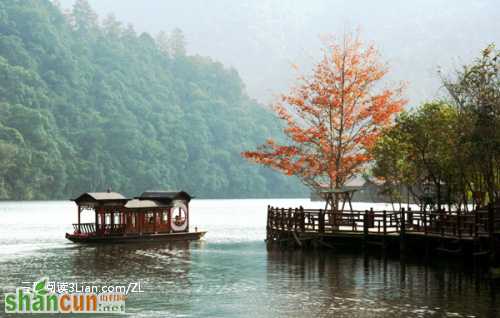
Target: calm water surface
point(231, 274)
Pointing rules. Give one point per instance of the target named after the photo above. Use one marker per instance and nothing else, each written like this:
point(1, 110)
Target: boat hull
point(160, 237)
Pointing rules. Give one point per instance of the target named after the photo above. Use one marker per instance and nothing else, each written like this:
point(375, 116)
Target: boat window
point(107, 218)
point(164, 217)
point(117, 218)
point(133, 220)
point(150, 217)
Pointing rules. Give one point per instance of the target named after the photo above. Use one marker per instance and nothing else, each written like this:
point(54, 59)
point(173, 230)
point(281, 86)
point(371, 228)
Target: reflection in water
point(162, 269)
point(129, 259)
point(330, 283)
point(231, 274)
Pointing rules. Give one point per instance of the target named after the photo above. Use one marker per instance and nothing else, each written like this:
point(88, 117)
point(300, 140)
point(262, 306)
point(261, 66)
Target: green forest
point(447, 152)
point(88, 104)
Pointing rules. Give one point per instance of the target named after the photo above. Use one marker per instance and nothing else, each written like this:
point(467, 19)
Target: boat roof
point(142, 204)
point(100, 196)
point(353, 184)
point(165, 196)
point(148, 199)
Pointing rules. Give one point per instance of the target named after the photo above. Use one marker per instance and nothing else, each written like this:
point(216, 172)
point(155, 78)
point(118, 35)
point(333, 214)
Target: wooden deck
point(475, 232)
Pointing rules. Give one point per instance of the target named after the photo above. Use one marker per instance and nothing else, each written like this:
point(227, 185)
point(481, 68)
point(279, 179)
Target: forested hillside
point(87, 104)
point(411, 35)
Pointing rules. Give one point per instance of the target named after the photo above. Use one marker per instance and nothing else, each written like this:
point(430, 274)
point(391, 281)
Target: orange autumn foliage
point(333, 117)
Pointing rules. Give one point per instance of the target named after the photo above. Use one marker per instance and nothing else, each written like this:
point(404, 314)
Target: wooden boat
point(153, 216)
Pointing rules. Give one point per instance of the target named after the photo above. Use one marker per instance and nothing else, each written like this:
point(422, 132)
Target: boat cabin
point(151, 213)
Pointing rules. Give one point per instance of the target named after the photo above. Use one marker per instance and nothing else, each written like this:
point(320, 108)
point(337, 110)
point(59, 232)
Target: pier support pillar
point(384, 238)
point(402, 232)
point(491, 234)
point(365, 229)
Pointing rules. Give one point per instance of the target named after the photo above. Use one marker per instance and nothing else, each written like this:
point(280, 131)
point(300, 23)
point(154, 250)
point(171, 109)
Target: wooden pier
point(474, 233)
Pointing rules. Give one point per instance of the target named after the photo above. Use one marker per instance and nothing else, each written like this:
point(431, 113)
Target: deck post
point(476, 222)
point(282, 216)
point(123, 218)
point(268, 227)
point(96, 219)
point(425, 222)
point(268, 215)
point(302, 219)
point(491, 233)
point(441, 221)
point(321, 221)
point(187, 217)
point(103, 220)
point(169, 220)
point(365, 228)
point(384, 215)
point(296, 220)
point(274, 221)
point(79, 211)
point(112, 222)
point(409, 218)
point(378, 221)
point(141, 221)
point(154, 221)
point(402, 232)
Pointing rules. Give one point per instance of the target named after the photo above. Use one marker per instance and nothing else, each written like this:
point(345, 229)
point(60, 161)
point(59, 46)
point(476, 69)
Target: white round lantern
point(179, 217)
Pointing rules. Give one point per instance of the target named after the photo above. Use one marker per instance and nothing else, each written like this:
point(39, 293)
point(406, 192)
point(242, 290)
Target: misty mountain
point(87, 106)
point(262, 38)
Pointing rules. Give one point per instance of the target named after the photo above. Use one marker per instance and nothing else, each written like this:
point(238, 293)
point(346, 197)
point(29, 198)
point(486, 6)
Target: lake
point(230, 273)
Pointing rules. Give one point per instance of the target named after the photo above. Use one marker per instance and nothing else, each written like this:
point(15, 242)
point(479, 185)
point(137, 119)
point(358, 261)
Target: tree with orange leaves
point(333, 117)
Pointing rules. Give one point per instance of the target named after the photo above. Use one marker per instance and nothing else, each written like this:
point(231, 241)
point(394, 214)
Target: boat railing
point(85, 228)
point(111, 229)
point(102, 229)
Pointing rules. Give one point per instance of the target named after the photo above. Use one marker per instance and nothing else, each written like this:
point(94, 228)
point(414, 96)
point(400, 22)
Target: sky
point(261, 39)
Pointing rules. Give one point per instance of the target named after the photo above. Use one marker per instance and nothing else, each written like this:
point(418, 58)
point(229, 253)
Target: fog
point(262, 38)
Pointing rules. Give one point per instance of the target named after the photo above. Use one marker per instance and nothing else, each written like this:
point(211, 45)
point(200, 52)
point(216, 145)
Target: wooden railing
point(112, 228)
point(105, 229)
point(455, 223)
point(324, 221)
point(85, 228)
